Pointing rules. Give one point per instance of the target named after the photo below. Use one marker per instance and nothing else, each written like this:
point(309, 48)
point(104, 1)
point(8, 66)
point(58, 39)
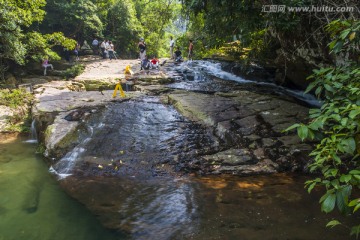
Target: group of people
point(154, 62)
point(177, 54)
point(107, 50)
point(145, 62)
point(106, 47)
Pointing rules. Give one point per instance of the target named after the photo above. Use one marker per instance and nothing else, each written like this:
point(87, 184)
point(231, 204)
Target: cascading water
point(199, 71)
point(65, 165)
point(33, 136)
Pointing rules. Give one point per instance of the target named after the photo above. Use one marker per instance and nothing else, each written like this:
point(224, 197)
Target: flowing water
point(208, 76)
point(34, 207)
point(122, 173)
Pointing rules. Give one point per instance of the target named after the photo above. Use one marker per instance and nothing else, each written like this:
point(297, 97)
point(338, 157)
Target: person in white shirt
point(172, 44)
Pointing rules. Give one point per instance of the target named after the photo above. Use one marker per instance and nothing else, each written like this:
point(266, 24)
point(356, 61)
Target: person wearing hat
point(142, 48)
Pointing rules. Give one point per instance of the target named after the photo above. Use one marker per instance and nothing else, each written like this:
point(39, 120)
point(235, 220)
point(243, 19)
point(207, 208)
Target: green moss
point(74, 71)
point(41, 149)
point(48, 132)
point(15, 98)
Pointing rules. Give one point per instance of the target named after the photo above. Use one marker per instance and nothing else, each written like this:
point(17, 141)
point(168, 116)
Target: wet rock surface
point(249, 121)
point(177, 121)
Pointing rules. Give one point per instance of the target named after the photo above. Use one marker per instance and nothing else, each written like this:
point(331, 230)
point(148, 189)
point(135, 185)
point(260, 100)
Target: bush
point(15, 98)
point(19, 100)
point(74, 71)
point(336, 127)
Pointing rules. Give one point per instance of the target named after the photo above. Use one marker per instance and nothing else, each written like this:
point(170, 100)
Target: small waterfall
point(215, 69)
point(65, 165)
point(33, 136)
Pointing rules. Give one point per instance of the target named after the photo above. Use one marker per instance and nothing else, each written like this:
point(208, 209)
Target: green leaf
point(329, 203)
point(354, 202)
point(318, 91)
point(292, 127)
point(315, 125)
point(328, 87)
point(311, 186)
point(338, 46)
point(355, 172)
point(342, 196)
point(355, 231)
point(345, 178)
point(356, 207)
point(332, 44)
point(303, 132)
point(345, 33)
point(310, 87)
point(344, 121)
point(333, 223)
point(349, 145)
point(354, 113)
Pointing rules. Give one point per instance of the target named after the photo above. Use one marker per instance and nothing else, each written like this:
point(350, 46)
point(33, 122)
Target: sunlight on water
point(32, 205)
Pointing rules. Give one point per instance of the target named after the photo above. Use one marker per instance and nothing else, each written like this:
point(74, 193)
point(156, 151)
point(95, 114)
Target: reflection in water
point(152, 209)
point(32, 206)
point(260, 207)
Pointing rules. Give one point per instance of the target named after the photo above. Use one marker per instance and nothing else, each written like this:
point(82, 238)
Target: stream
point(34, 207)
point(127, 178)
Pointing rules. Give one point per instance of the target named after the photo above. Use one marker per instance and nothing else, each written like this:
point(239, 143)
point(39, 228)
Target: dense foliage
point(336, 125)
point(286, 34)
point(33, 29)
point(18, 41)
point(19, 101)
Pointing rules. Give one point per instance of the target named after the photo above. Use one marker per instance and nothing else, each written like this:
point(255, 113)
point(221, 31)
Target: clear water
point(33, 206)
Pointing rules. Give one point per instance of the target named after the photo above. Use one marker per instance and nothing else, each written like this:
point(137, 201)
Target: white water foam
point(33, 137)
point(214, 69)
point(65, 165)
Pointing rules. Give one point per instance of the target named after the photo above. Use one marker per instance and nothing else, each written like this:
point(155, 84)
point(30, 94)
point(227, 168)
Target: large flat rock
point(244, 118)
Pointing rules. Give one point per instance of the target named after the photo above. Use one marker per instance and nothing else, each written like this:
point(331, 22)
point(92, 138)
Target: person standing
point(191, 50)
point(102, 48)
point(142, 48)
point(95, 46)
point(111, 50)
point(76, 51)
point(172, 44)
point(107, 48)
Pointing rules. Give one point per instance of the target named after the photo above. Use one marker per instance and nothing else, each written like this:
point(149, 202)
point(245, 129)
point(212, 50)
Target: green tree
point(123, 28)
point(17, 40)
point(155, 17)
point(79, 19)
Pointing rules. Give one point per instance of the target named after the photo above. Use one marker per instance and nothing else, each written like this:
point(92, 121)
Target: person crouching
point(154, 63)
point(145, 63)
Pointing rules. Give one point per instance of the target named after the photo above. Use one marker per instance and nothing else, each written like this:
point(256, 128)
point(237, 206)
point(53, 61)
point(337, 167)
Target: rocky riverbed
point(172, 122)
